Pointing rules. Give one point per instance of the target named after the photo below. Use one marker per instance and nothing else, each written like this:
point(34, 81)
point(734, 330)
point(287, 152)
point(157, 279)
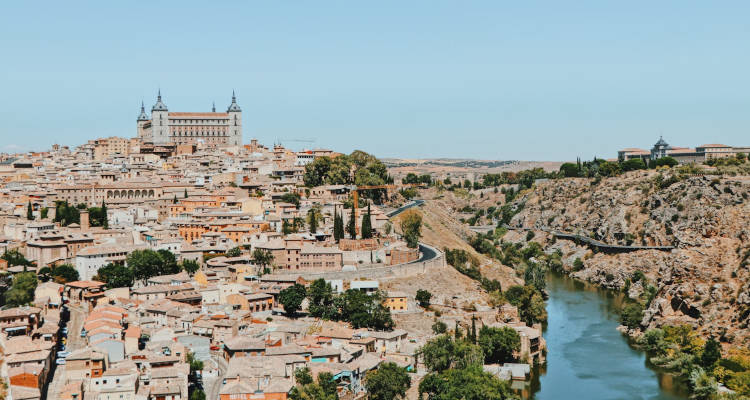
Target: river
point(587, 357)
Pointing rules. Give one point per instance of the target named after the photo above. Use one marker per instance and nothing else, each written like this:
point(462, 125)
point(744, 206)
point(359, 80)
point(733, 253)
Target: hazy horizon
point(540, 80)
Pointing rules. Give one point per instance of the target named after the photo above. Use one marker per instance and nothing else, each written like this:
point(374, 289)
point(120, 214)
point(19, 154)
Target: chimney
point(84, 220)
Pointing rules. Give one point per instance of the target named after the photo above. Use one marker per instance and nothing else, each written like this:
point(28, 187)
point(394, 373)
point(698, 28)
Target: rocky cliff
point(703, 281)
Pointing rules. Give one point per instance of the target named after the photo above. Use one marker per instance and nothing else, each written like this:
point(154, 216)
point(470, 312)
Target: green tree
point(351, 226)
point(198, 394)
point(22, 289)
point(423, 298)
point(307, 389)
point(367, 224)
point(569, 170)
point(439, 327)
point(312, 220)
point(632, 315)
point(44, 213)
point(115, 276)
point(473, 335)
point(666, 161)
point(702, 385)
point(234, 252)
point(195, 364)
point(186, 193)
point(168, 263)
point(321, 300)
point(190, 266)
point(653, 342)
point(363, 310)
point(388, 382)
point(291, 298)
point(338, 227)
point(466, 384)
point(14, 257)
point(29, 212)
point(64, 273)
point(411, 225)
point(529, 301)
point(65, 214)
point(291, 197)
point(711, 354)
point(633, 164)
point(105, 219)
point(535, 275)
point(443, 352)
point(499, 344)
point(144, 264)
point(263, 258)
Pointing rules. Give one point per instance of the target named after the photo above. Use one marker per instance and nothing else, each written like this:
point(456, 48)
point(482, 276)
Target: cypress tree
point(473, 330)
point(186, 193)
point(104, 222)
point(29, 212)
point(336, 226)
point(457, 331)
point(367, 225)
point(351, 227)
point(313, 220)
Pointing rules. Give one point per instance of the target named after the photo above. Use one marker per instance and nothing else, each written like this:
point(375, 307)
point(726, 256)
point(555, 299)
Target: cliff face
point(702, 282)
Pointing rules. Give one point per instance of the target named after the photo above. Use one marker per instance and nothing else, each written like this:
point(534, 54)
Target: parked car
point(214, 348)
point(65, 330)
point(60, 361)
point(83, 333)
point(63, 354)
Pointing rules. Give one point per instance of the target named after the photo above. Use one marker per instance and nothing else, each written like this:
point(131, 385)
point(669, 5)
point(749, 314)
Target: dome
point(661, 142)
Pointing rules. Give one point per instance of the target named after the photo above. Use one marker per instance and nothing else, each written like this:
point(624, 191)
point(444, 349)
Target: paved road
point(415, 203)
point(427, 253)
point(214, 386)
point(75, 342)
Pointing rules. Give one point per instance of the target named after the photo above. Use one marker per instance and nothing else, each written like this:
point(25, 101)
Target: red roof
point(85, 284)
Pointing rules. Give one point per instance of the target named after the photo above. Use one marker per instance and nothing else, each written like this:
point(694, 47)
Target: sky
point(520, 80)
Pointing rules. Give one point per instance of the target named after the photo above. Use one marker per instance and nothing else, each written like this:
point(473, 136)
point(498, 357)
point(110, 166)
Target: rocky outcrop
point(702, 281)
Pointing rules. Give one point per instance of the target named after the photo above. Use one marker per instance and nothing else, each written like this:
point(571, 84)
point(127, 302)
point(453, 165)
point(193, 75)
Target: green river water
point(587, 357)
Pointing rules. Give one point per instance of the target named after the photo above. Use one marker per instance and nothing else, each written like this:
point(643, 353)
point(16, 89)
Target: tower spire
point(213, 107)
point(142, 116)
point(234, 106)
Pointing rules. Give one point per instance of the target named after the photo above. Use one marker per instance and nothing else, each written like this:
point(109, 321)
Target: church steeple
point(213, 107)
point(142, 116)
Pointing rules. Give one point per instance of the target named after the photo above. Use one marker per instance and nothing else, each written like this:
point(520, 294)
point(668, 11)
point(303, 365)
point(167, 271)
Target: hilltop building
point(214, 129)
point(683, 155)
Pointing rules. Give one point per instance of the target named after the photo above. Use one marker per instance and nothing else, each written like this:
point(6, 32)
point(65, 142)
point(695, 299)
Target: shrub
point(632, 315)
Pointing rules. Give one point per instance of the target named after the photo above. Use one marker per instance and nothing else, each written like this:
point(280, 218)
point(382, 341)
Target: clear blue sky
point(532, 80)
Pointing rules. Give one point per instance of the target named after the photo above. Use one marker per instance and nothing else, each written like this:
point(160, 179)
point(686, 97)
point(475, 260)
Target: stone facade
point(214, 129)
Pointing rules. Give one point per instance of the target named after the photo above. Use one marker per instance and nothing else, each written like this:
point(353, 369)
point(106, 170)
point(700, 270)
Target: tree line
point(360, 309)
point(357, 168)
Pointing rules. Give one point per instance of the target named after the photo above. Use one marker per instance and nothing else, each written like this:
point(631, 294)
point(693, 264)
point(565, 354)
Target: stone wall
point(401, 270)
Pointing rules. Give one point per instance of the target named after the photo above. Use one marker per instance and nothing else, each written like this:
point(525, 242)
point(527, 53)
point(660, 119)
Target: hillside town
point(181, 264)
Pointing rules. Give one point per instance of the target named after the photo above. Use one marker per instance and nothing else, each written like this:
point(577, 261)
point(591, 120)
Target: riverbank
point(587, 356)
